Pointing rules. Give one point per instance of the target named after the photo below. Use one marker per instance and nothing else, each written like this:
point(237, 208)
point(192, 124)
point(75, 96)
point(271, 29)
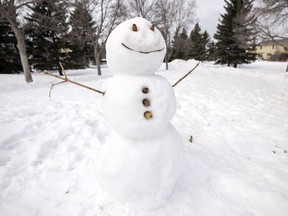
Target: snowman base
point(141, 173)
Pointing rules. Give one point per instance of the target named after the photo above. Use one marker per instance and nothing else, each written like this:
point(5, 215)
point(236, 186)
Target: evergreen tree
point(224, 35)
point(196, 49)
point(179, 45)
point(196, 46)
point(81, 36)
point(244, 30)
point(9, 54)
point(211, 51)
point(234, 33)
point(205, 44)
point(46, 29)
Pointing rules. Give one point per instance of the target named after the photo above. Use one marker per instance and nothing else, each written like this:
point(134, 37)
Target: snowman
point(142, 160)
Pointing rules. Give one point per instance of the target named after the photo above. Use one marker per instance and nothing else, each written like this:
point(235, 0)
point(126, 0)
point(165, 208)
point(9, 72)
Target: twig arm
point(76, 83)
point(182, 78)
point(52, 85)
point(63, 70)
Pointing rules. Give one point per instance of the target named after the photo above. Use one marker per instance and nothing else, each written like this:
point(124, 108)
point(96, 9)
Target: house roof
point(277, 41)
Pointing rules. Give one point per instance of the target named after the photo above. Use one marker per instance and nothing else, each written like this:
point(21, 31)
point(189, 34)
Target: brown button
point(148, 115)
point(145, 90)
point(134, 27)
point(146, 102)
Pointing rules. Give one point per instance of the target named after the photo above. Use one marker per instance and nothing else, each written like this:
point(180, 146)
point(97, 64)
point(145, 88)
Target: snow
point(141, 173)
point(125, 48)
point(236, 164)
point(125, 93)
point(142, 162)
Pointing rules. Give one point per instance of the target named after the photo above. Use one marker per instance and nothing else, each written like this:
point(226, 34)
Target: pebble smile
point(143, 52)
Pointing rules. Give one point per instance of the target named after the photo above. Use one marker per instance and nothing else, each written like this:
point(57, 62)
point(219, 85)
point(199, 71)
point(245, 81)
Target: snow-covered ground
point(237, 163)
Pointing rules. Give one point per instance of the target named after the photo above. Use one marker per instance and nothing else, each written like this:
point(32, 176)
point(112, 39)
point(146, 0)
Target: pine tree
point(196, 46)
point(179, 45)
point(46, 29)
point(81, 36)
point(224, 35)
point(9, 54)
point(244, 29)
point(205, 43)
point(196, 49)
point(211, 49)
point(234, 33)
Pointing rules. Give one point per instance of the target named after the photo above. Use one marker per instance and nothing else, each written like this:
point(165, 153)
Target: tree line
point(198, 45)
point(59, 30)
point(75, 32)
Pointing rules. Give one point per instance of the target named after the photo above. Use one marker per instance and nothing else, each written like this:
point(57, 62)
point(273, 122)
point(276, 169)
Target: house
point(273, 50)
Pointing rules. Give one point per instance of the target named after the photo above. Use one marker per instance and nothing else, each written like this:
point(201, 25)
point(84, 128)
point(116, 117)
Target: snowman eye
point(134, 27)
point(152, 28)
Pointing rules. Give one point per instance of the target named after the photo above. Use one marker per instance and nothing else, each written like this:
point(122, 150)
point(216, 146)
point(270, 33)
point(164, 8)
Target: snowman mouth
point(143, 52)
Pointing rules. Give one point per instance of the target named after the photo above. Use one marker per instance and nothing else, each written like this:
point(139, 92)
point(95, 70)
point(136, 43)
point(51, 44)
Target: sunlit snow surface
point(236, 165)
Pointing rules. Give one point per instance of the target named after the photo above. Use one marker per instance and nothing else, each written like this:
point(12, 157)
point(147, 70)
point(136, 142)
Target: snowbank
point(236, 164)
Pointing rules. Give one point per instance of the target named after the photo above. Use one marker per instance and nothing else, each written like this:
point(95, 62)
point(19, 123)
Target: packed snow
point(123, 105)
point(142, 162)
point(233, 122)
point(129, 41)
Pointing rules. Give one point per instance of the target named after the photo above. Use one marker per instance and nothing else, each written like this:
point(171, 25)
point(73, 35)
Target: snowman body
point(141, 173)
point(143, 158)
point(129, 98)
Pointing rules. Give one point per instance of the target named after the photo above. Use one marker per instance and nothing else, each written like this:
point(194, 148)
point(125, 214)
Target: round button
point(148, 115)
point(145, 90)
point(146, 102)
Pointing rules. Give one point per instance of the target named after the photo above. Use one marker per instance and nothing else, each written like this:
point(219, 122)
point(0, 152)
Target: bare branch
point(73, 82)
point(52, 85)
point(182, 78)
point(142, 8)
point(172, 14)
point(25, 3)
point(63, 70)
point(272, 18)
point(266, 34)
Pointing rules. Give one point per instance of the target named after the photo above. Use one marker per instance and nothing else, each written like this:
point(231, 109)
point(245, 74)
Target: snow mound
point(236, 164)
point(179, 64)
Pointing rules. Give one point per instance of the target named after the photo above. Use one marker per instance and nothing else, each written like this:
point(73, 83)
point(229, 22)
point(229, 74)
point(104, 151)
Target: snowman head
point(135, 47)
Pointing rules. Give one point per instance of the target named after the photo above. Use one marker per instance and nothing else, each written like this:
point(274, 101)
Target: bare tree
point(9, 10)
point(185, 11)
point(167, 15)
point(173, 14)
point(272, 22)
point(105, 13)
point(142, 8)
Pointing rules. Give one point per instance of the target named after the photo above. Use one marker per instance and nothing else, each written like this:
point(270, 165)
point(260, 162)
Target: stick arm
point(182, 78)
point(73, 82)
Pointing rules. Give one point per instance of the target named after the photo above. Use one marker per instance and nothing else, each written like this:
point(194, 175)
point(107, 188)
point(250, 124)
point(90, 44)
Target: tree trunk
point(167, 56)
point(287, 67)
point(60, 69)
point(98, 62)
point(22, 51)
point(97, 57)
point(235, 65)
point(166, 61)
